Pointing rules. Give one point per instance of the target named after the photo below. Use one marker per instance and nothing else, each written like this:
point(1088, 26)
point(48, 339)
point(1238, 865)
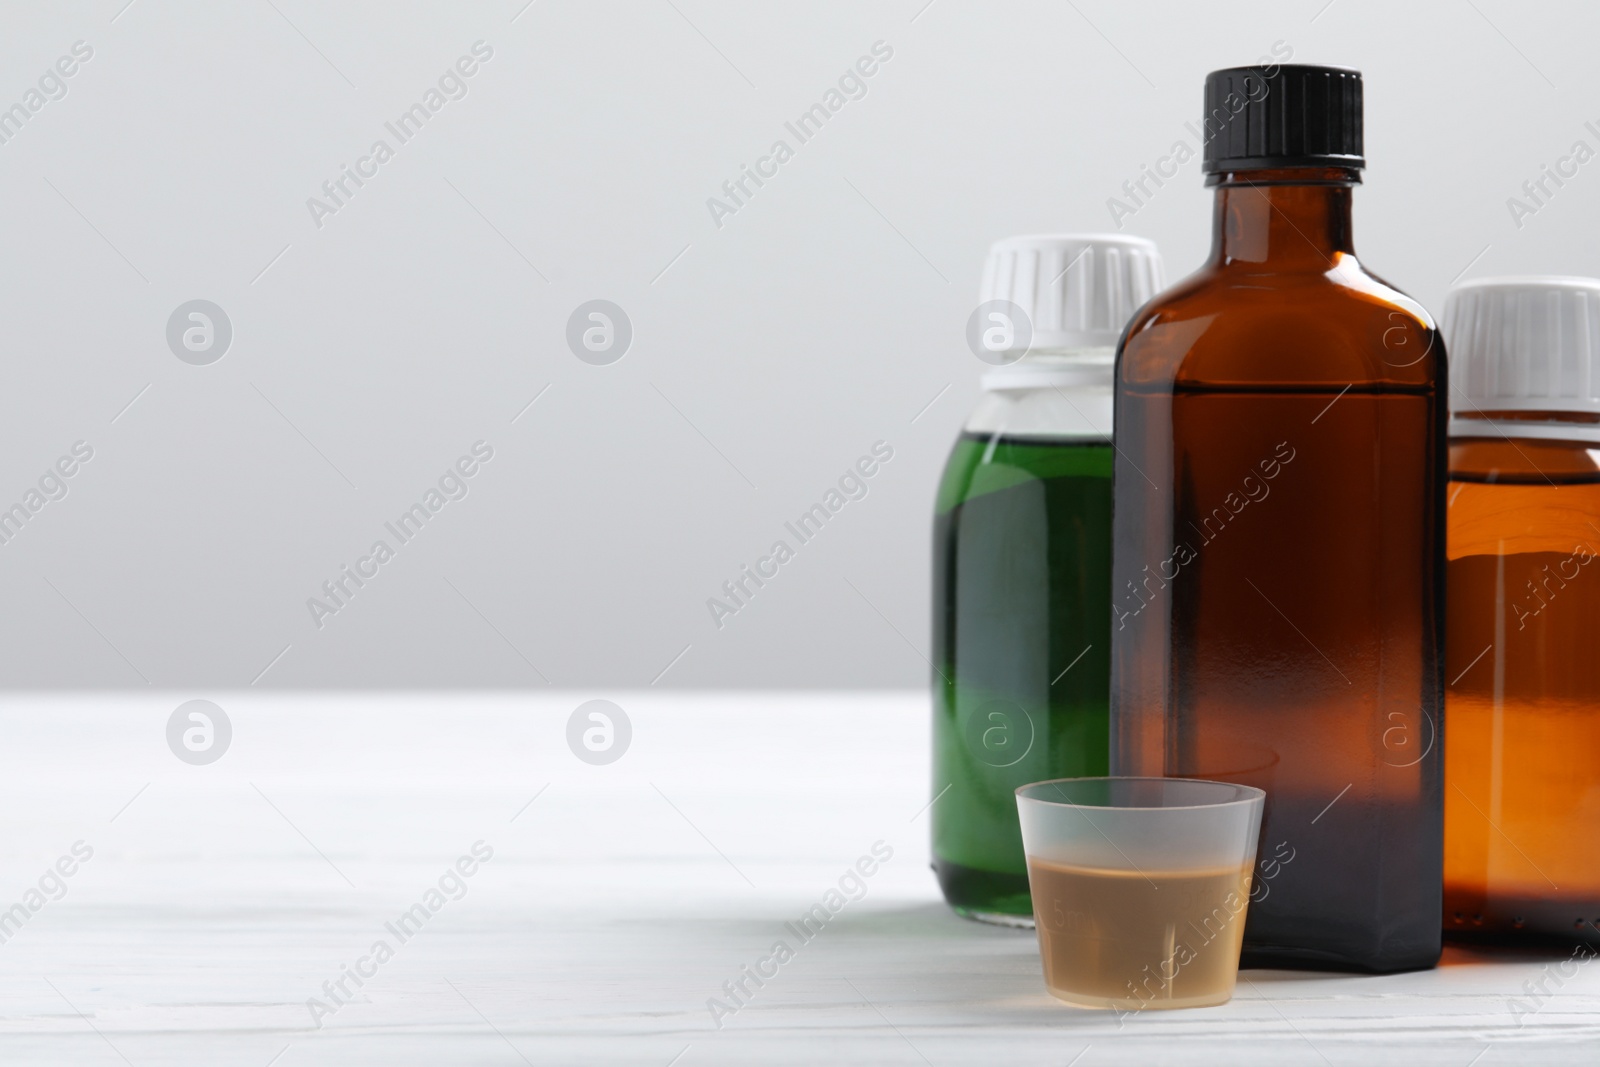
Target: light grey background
point(768, 354)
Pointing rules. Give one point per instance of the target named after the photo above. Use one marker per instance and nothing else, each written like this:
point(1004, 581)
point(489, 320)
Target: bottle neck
point(1291, 219)
point(1055, 368)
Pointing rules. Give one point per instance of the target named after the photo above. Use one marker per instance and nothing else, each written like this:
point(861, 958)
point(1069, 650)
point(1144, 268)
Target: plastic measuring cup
point(1140, 887)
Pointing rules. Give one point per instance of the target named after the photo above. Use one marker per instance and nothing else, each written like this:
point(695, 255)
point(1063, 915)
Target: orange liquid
point(1122, 939)
point(1522, 743)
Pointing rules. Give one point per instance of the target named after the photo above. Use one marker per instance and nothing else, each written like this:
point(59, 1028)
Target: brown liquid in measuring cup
point(1131, 940)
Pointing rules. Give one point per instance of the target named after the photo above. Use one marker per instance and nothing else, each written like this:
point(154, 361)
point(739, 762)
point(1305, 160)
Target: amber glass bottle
point(1278, 544)
point(1522, 755)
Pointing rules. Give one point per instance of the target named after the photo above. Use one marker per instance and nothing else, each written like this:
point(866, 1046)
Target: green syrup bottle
point(1022, 556)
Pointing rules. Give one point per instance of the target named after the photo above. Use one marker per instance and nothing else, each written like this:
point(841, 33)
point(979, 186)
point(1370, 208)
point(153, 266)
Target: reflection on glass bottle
point(1278, 549)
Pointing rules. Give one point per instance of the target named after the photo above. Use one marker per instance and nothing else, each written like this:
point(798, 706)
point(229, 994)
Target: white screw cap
point(1078, 289)
point(1528, 343)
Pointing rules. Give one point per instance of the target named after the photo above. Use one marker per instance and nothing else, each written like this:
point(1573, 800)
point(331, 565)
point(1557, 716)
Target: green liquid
point(1022, 649)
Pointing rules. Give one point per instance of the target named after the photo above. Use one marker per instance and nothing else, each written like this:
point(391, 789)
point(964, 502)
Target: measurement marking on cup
point(1331, 803)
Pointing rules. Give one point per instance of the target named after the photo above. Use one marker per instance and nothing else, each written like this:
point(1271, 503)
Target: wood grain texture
point(218, 902)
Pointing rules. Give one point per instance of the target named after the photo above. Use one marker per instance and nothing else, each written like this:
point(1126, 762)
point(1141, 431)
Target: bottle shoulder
point(1075, 412)
point(986, 460)
point(1240, 325)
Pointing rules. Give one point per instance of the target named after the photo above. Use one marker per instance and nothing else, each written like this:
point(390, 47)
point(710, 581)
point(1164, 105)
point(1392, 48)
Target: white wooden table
point(219, 899)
